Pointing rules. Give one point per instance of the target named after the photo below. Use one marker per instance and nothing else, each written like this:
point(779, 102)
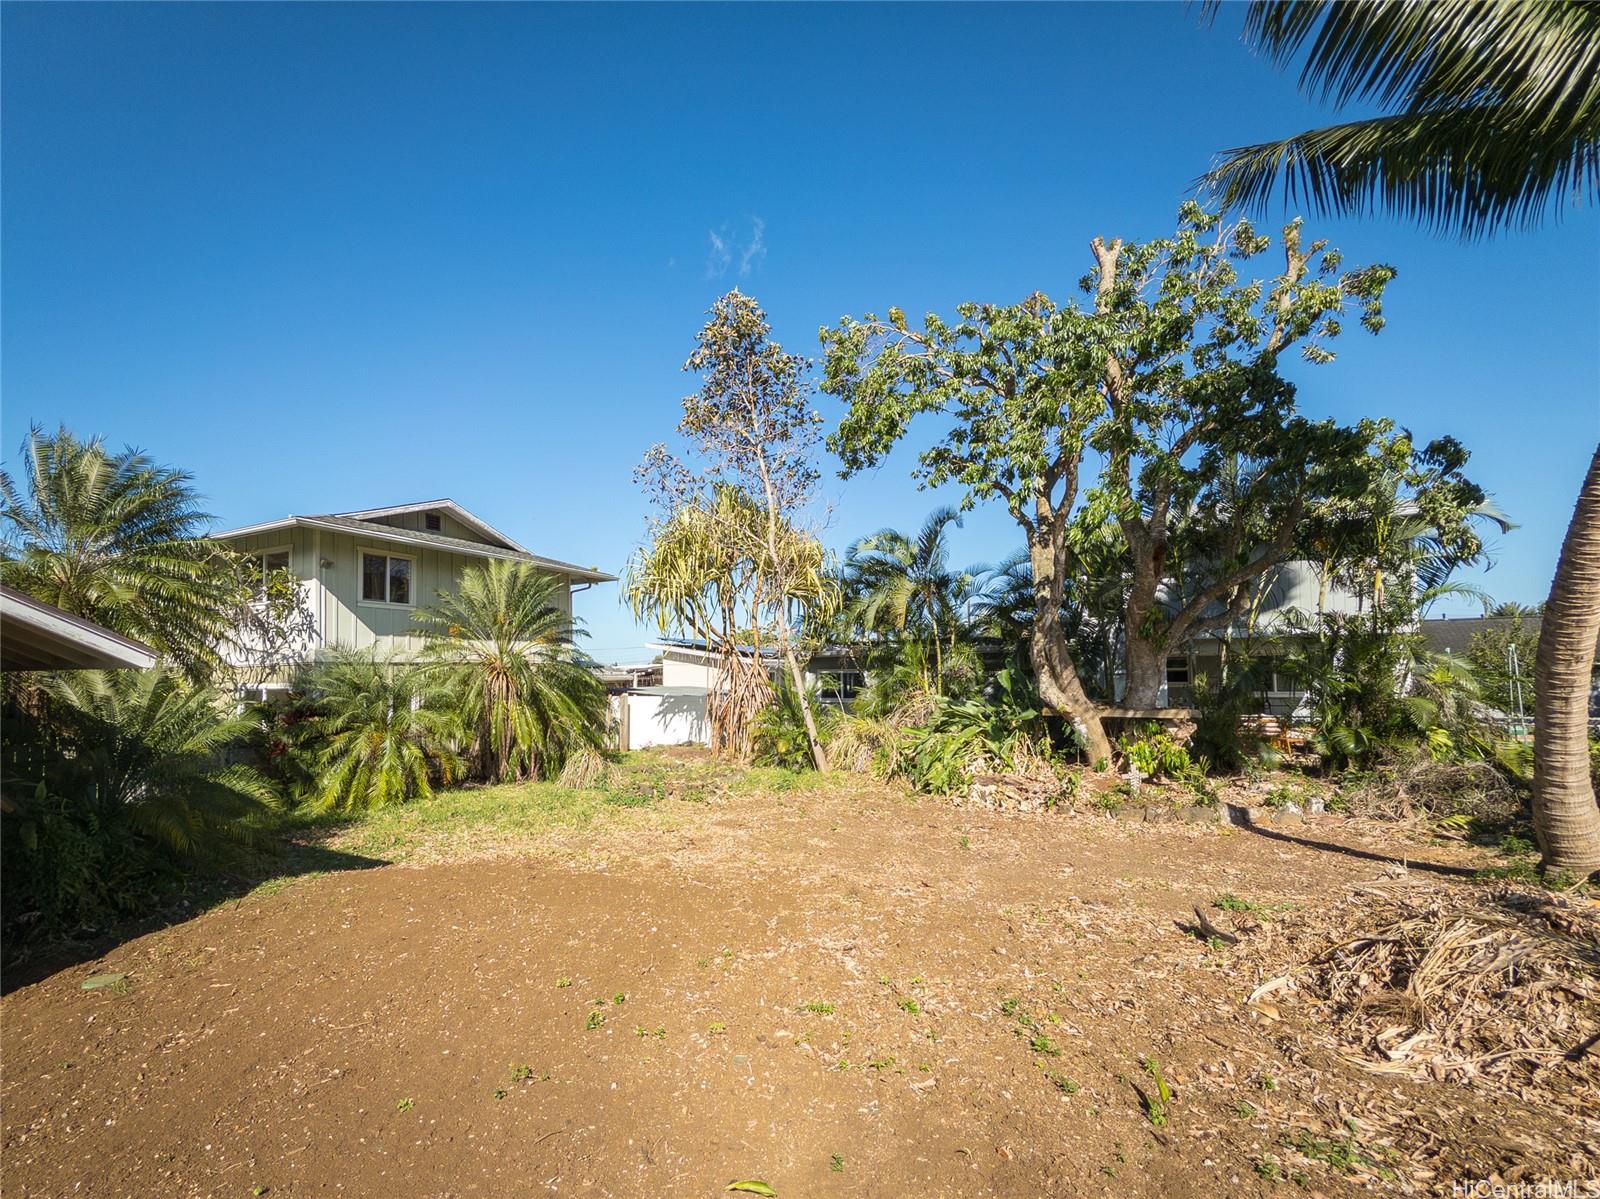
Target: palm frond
point(1493, 114)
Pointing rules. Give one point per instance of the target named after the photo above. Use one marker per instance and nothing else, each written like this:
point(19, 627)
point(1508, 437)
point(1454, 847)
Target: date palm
point(385, 729)
point(1491, 120)
point(118, 540)
point(527, 697)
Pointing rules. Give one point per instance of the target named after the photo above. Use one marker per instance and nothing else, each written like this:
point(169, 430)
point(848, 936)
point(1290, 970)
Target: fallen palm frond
point(1498, 987)
point(1418, 785)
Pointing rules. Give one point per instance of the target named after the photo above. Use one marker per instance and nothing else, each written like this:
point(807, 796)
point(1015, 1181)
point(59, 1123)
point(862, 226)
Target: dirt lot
point(837, 990)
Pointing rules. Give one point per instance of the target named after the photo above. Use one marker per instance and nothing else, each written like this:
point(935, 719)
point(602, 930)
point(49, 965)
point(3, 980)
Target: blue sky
point(332, 257)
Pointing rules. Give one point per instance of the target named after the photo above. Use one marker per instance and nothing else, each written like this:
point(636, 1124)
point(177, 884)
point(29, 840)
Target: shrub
point(117, 786)
point(779, 734)
point(1156, 753)
point(1222, 705)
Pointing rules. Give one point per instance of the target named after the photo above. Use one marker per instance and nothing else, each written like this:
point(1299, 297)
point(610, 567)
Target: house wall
point(449, 526)
point(687, 668)
point(334, 591)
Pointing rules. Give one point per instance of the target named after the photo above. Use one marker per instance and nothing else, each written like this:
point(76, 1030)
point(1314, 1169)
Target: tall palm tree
point(150, 748)
point(1492, 121)
point(526, 696)
point(386, 729)
point(119, 540)
point(903, 585)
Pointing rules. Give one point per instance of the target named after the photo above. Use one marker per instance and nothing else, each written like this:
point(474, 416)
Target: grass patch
point(510, 812)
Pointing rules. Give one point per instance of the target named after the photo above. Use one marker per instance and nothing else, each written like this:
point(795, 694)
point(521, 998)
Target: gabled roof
point(482, 527)
point(365, 525)
point(35, 635)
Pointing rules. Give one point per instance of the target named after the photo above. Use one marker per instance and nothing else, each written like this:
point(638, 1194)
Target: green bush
point(1156, 753)
point(1217, 740)
point(117, 790)
point(779, 734)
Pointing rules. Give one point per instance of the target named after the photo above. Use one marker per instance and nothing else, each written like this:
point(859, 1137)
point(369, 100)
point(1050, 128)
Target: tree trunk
point(1565, 817)
point(1053, 668)
point(1146, 673)
point(819, 754)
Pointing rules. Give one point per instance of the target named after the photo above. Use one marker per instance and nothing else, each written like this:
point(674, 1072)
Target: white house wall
point(679, 669)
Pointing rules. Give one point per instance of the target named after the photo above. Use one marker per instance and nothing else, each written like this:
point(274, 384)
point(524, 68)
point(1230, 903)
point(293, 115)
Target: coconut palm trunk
point(1565, 817)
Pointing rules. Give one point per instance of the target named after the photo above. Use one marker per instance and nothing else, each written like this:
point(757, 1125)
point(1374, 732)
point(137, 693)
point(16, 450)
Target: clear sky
point(335, 257)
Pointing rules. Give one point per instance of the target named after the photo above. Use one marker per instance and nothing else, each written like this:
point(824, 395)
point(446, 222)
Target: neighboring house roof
point(35, 635)
point(365, 524)
point(1453, 635)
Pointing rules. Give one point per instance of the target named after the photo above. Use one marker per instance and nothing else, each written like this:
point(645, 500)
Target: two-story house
point(363, 574)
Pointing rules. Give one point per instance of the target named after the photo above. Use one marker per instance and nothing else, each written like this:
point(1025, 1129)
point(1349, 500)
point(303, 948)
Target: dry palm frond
point(1419, 785)
point(586, 770)
point(1472, 986)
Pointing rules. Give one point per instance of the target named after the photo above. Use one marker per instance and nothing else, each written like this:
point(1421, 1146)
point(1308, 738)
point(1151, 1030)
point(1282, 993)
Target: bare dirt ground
point(836, 990)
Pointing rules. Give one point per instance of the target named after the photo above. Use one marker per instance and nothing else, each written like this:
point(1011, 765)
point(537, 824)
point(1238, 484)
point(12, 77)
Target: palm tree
point(901, 585)
point(118, 540)
point(386, 730)
point(1493, 121)
point(526, 696)
point(150, 748)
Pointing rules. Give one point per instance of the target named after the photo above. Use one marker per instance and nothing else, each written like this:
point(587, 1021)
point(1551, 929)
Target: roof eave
point(399, 536)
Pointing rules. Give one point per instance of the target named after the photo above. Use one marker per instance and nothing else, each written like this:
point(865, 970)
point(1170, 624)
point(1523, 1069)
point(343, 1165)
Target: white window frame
point(1186, 666)
point(264, 554)
point(378, 552)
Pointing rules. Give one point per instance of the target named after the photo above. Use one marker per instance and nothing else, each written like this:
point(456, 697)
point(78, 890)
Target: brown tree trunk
point(1053, 667)
point(1565, 817)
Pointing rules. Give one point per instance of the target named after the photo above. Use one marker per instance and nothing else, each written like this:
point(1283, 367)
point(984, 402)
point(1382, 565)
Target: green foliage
point(1167, 374)
point(779, 734)
point(385, 732)
point(1158, 1100)
point(1155, 753)
point(1487, 114)
point(119, 540)
point(1004, 730)
point(117, 787)
point(1371, 686)
point(152, 747)
point(903, 589)
point(1492, 653)
point(1222, 703)
point(503, 641)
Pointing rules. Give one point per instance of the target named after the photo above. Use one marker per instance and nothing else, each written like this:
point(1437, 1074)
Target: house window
point(842, 685)
point(264, 565)
point(433, 522)
point(385, 579)
point(1286, 682)
point(1178, 671)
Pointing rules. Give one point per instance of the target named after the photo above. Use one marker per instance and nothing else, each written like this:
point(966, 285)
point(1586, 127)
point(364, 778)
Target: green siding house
point(362, 574)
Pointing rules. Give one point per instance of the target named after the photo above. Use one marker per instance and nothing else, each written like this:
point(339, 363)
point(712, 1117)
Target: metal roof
point(35, 635)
